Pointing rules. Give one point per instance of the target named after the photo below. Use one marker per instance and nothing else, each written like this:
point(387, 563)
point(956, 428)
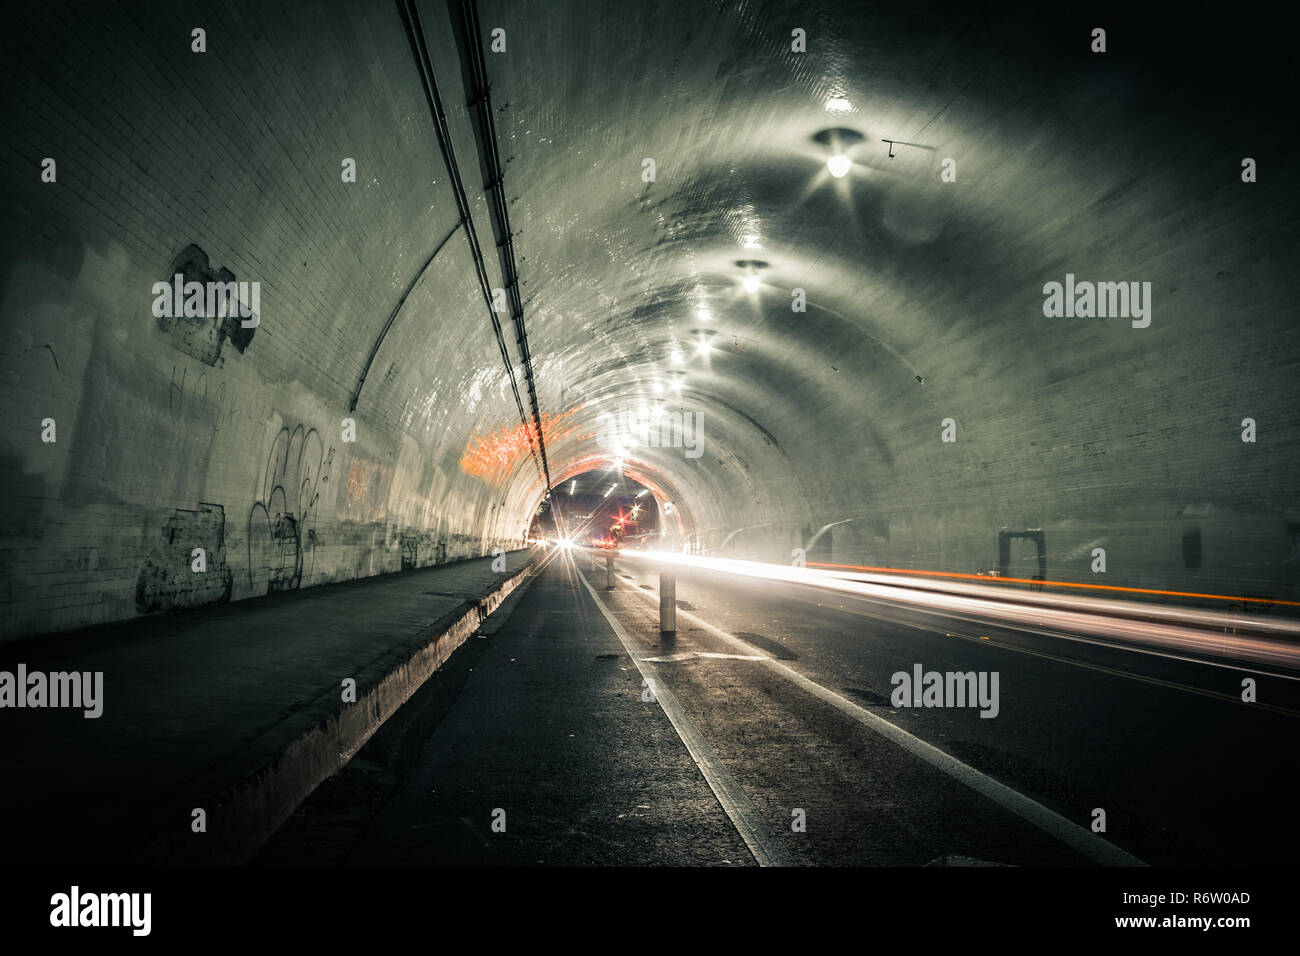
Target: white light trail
point(1212, 633)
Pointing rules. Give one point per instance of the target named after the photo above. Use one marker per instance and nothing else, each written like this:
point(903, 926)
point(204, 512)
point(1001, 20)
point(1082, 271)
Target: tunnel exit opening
point(599, 509)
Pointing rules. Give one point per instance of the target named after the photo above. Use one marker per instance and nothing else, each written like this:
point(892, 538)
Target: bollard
point(667, 603)
point(609, 572)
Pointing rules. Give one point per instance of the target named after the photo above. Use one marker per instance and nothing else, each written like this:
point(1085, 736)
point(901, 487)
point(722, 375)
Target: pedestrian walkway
point(236, 710)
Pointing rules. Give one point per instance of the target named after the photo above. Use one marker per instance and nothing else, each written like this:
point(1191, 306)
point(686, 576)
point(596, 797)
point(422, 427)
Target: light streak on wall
point(494, 456)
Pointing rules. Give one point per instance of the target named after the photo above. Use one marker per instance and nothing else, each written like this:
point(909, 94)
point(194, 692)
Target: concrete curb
point(249, 810)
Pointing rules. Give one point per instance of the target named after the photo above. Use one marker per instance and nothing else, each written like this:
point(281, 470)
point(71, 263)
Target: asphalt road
point(769, 736)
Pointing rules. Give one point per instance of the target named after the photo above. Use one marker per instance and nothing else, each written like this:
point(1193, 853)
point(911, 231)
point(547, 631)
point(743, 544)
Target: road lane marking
point(733, 800)
point(692, 655)
point(1072, 834)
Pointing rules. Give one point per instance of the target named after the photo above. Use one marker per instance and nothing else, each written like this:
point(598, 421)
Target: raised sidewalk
point(234, 709)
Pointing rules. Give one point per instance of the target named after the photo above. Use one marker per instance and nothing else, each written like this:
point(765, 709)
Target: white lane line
point(735, 804)
point(692, 655)
point(1049, 821)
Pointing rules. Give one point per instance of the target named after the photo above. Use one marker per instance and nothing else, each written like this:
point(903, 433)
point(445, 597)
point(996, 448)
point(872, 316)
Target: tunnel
point(363, 342)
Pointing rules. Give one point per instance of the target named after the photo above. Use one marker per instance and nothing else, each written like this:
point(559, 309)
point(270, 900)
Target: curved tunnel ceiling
point(922, 299)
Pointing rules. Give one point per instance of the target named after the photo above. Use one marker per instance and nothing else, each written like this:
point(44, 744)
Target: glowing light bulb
point(703, 347)
point(705, 315)
point(839, 165)
point(751, 284)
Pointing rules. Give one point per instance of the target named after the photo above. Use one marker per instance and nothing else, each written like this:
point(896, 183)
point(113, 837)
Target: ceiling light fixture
point(838, 143)
point(750, 268)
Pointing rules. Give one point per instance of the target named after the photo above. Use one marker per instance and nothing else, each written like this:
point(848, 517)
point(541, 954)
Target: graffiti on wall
point(282, 535)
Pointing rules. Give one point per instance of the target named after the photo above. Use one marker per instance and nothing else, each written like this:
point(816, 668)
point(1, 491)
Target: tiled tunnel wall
point(168, 436)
